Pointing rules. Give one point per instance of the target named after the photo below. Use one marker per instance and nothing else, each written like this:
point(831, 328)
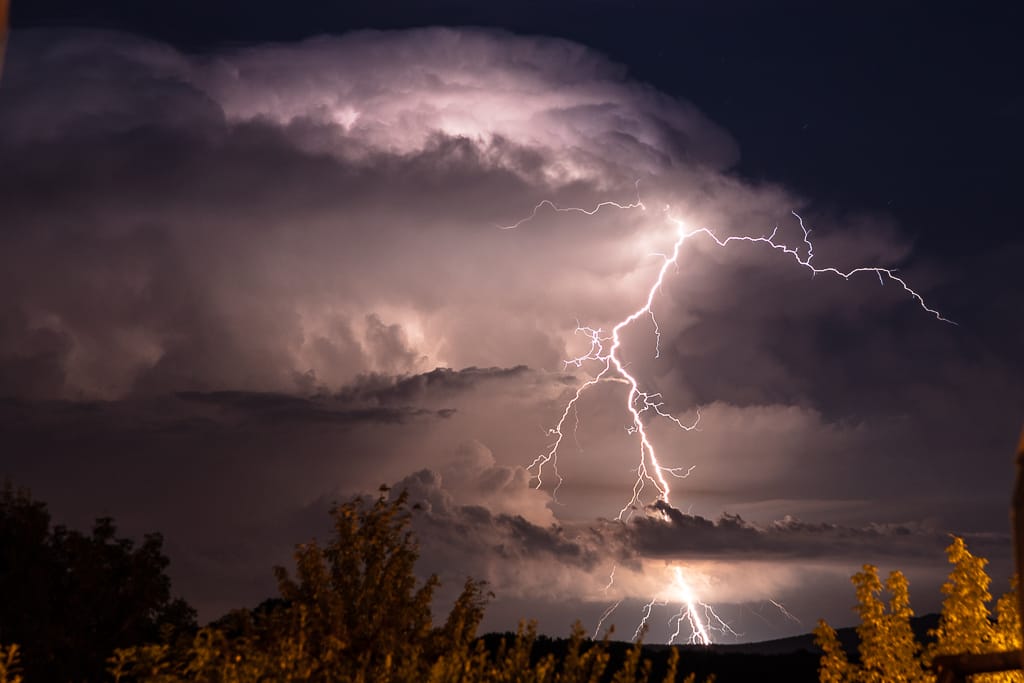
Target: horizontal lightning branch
point(547, 203)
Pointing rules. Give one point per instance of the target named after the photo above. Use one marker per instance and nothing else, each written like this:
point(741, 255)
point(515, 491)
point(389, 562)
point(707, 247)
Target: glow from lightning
point(699, 632)
point(604, 350)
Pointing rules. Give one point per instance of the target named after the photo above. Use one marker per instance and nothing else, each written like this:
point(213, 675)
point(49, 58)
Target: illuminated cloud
point(290, 217)
point(533, 104)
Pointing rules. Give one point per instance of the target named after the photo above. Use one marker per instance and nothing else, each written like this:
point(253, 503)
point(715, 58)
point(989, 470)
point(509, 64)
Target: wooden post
point(958, 668)
point(5, 12)
point(1017, 519)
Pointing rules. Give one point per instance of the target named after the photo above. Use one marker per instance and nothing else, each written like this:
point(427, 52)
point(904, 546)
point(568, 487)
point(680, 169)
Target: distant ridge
point(793, 659)
point(847, 637)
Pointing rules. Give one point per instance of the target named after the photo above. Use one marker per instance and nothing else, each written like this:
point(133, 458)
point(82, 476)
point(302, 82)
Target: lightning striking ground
point(698, 631)
point(603, 353)
point(785, 612)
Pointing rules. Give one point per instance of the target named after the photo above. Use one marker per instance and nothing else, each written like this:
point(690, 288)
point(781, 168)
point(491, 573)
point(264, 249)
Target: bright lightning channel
point(698, 631)
point(604, 352)
point(547, 203)
point(785, 612)
point(607, 613)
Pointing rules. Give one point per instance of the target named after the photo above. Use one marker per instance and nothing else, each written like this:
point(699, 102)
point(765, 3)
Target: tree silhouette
point(68, 599)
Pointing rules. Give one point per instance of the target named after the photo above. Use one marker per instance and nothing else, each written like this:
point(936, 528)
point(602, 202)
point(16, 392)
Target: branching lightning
point(604, 354)
point(698, 631)
point(645, 615)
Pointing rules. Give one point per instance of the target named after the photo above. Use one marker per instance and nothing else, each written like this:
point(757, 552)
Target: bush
point(888, 649)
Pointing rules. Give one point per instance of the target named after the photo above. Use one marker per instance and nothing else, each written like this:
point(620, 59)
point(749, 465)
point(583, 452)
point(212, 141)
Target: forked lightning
point(604, 353)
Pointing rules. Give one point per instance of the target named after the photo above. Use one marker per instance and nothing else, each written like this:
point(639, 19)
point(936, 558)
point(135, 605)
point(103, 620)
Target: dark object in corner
point(956, 668)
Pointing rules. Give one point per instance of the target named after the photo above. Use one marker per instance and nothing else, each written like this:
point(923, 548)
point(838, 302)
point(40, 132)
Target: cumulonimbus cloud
point(254, 212)
point(272, 275)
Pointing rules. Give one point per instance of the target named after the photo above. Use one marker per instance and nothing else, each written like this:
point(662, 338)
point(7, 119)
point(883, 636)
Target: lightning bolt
point(698, 630)
point(603, 352)
point(611, 579)
point(785, 612)
point(547, 203)
point(607, 613)
point(646, 614)
point(611, 608)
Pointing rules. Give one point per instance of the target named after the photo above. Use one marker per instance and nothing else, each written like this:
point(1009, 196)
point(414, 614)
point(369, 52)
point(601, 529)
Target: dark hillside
point(793, 659)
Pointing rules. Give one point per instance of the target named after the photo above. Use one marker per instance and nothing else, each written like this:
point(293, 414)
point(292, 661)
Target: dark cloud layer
point(238, 286)
point(387, 390)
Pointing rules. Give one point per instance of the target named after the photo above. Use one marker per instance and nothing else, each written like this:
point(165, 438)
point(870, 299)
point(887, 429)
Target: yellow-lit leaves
point(10, 665)
point(888, 649)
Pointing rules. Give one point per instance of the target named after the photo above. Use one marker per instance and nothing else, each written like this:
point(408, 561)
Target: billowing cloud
point(276, 216)
point(238, 286)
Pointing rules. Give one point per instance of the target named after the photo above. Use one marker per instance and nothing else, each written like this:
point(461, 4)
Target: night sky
point(252, 262)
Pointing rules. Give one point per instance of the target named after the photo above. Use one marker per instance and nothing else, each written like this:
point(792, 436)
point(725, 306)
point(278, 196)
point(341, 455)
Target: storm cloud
point(238, 286)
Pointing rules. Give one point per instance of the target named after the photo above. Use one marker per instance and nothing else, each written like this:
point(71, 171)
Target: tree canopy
point(888, 649)
point(70, 598)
